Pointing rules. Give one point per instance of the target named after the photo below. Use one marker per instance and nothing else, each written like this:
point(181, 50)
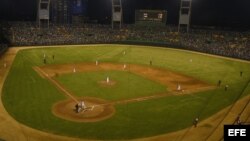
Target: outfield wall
point(3, 48)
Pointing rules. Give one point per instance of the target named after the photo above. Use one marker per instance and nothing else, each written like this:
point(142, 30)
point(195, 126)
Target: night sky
point(204, 12)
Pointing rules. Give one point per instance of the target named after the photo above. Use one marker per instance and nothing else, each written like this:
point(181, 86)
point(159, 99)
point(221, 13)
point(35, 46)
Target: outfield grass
point(29, 98)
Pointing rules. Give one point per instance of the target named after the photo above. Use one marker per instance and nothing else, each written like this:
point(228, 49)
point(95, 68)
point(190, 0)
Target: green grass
point(127, 85)
point(29, 98)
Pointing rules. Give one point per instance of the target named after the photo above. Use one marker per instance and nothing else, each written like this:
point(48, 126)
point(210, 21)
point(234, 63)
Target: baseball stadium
point(67, 77)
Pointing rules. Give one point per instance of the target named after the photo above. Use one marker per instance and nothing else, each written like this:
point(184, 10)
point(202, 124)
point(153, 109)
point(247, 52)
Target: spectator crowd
point(226, 43)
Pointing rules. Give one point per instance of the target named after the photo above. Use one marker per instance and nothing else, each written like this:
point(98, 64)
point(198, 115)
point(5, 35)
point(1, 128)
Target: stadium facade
point(68, 11)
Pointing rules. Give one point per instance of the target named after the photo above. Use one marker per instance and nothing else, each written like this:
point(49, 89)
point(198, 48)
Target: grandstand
point(225, 43)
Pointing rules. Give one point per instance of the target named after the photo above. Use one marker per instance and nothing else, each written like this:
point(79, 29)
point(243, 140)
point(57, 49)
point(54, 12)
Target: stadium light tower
point(116, 12)
point(43, 11)
point(185, 14)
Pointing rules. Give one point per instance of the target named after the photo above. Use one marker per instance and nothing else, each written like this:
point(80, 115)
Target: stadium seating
point(225, 43)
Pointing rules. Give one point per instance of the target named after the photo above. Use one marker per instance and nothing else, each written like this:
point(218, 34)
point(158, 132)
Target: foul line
point(59, 86)
point(139, 99)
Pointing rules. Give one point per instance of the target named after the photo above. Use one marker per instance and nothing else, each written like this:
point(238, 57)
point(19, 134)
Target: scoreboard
point(159, 16)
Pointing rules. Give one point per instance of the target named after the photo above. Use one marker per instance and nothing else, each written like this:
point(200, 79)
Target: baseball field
point(130, 92)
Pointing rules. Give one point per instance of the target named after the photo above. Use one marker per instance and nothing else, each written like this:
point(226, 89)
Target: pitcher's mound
point(107, 84)
point(97, 110)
